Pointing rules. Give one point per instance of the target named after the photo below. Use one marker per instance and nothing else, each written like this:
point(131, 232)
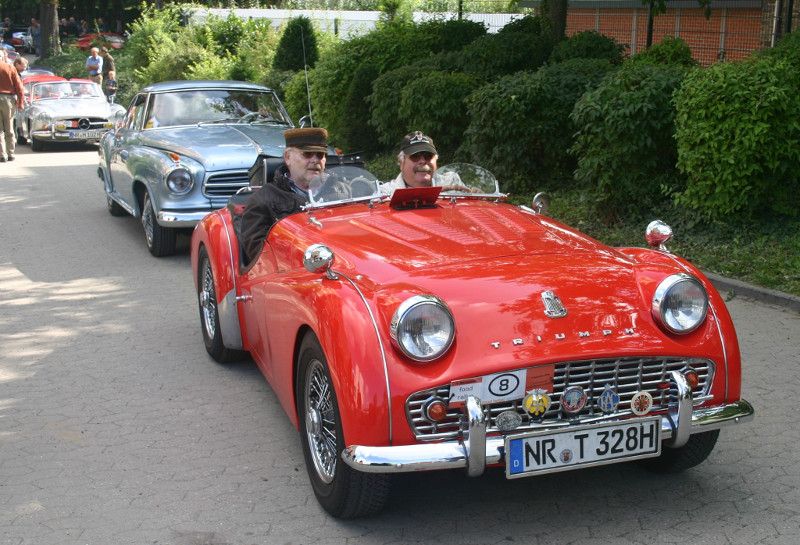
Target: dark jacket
point(272, 202)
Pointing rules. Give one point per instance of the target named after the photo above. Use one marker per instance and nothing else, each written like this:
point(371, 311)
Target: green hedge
point(738, 131)
point(624, 144)
point(519, 126)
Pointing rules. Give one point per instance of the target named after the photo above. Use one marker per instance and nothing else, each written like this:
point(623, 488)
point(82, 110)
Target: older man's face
point(418, 169)
point(304, 165)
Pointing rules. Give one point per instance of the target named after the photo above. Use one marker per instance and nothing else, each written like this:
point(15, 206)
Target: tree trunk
point(51, 41)
point(555, 11)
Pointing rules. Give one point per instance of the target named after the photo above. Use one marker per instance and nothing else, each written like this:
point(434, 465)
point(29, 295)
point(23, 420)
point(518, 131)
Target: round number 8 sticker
point(503, 384)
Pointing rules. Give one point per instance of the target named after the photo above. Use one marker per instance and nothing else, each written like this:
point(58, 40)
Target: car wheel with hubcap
point(160, 241)
point(209, 313)
point(341, 490)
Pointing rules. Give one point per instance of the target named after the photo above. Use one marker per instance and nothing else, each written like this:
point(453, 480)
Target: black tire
point(209, 313)
point(21, 140)
point(114, 208)
point(160, 241)
point(675, 460)
point(36, 144)
point(342, 491)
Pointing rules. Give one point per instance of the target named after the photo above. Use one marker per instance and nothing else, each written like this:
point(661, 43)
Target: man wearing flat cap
point(303, 159)
point(417, 161)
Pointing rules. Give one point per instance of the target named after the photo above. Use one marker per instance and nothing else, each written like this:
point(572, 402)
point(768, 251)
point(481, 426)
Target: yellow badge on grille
point(536, 402)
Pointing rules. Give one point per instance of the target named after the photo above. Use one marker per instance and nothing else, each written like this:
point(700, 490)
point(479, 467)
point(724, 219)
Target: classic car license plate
point(86, 134)
point(560, 450)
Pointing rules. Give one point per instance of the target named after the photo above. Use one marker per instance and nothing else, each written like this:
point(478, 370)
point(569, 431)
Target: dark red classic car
point(442, 328)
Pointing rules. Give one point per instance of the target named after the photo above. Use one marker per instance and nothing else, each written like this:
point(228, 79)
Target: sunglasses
point(310, 154)
point(421, 154)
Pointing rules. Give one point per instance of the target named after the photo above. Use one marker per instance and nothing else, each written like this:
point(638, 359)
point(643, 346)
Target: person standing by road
point(36, 37)
point(11, 96)
point(109, 73)
point(94, 66)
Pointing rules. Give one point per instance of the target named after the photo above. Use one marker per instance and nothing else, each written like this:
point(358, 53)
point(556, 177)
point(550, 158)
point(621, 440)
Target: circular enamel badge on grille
point(608, 400)
point(536, 402)
point(641, 403)
point(573, 399)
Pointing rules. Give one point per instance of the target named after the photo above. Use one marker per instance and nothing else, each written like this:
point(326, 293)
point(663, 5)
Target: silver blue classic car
point(183, 149)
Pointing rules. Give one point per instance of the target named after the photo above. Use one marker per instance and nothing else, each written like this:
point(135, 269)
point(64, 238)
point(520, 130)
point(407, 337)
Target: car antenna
point(305, 70)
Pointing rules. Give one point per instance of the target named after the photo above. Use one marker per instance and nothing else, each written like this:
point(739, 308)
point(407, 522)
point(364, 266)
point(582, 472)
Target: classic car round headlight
point(43, 119)
point(680, 303)
point(179, 181)
point(423, 328)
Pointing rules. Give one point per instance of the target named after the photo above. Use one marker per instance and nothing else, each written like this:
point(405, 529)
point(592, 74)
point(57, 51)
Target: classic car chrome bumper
point(181, 219)
point(474, 451)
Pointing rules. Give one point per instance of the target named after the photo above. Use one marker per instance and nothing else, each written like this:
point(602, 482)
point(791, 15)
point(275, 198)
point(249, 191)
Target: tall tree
point(48, 18)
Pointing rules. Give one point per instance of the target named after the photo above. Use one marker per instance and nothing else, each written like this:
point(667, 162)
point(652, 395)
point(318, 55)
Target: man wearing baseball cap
point(417, 161)
point(303, 159)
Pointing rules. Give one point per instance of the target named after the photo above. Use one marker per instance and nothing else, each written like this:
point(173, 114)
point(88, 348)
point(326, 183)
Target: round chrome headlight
point(179, 181)
point(423, 328)
point(43, 118)
point(680, 303)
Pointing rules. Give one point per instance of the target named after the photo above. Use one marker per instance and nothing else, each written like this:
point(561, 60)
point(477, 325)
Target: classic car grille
point(626, 375)
point(225, 184)
point(95, 123)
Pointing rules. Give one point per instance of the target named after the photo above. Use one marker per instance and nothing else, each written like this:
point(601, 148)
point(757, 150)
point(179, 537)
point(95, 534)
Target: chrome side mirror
point(541, 203)
point(658, 234)
point(318, 258)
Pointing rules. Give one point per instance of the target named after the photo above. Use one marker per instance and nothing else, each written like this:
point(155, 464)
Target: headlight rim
point(661, 296)
point(403, 311)
point(169, 184)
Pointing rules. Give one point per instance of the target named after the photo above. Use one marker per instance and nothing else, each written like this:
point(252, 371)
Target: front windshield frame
point(199, 106)
point(467, 181)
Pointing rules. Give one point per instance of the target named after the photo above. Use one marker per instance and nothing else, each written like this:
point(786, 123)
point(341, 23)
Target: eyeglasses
point(421, 154)
point(310, 154)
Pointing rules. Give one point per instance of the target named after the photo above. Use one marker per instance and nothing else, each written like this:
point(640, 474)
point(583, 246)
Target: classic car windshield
point(54, 89)
point(466, 180)
point(343, 183)
point(214, 106)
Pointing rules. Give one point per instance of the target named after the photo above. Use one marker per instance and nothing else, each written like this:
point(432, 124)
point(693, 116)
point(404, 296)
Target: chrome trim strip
point(451, 454)
point(383, 352)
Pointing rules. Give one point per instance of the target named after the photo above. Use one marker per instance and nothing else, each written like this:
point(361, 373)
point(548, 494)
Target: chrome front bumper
point(474, 451)
point(173, 219)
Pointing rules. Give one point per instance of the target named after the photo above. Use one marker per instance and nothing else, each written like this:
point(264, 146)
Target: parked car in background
point(442, 328)
point(59, 111)
point(11, 52)
point(109, 40)
point(183, 149)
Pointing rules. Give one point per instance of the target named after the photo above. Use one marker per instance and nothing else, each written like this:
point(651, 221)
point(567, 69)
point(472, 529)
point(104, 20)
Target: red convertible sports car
point(443, 328)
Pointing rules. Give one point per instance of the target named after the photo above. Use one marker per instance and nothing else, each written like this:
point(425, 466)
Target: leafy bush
point(495, 55)
point(624, 144)
point(357, 133)
point(387, 48)
point(589, 45)
point(670, 50)
point(436, 105)
point(520, 124)
point(152, 32)
point(787, 48)
point(297, 47)
point(385, 100)
point(738, 132)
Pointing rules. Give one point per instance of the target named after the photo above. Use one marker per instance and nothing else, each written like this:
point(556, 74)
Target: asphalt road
point(117, 428)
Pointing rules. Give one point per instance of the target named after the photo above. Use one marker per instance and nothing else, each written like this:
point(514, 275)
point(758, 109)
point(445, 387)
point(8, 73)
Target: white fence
point(349, 23)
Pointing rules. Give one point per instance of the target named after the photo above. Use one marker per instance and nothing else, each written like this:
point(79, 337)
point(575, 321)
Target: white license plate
point(86, 134)
point(562, 450)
